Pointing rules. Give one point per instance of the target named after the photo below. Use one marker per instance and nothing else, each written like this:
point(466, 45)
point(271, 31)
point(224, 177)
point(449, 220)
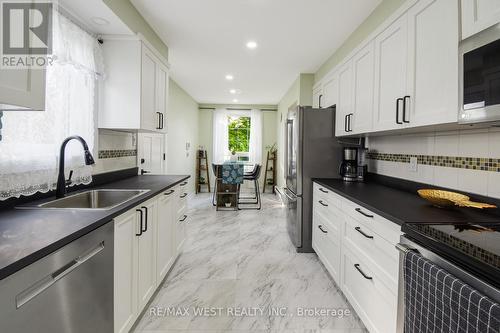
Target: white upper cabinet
point(134, 95)
point(478, 15)
point(330, 91)
point(433, 36)
point(363, 76)
point(391, 74)
point(317, 96)
point(22, 88)
point(344, 102)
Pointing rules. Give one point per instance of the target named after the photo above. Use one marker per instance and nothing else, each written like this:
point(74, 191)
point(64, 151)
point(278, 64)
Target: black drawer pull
point(182, 184)
point(363, 213)
point(322, 190)
point(146, 219)
point(183, 218)
point(184, 195)
point(358, 229)
point(322, 203)
point(362, 273)
point(322, 230)
point(140, 221)
point(169, 192)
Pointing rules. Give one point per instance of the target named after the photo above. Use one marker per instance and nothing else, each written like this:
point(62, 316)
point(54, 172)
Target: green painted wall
point(377, 17)
point(182, 127)
point(134, 20)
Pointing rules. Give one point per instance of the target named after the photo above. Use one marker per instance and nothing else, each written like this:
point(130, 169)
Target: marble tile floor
point(240, 266)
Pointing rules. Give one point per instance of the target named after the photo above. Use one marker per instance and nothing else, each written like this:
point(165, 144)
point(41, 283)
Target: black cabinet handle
point(358, 229)
point(322, 230)
point(345, 123)
point(183, 218)
point(349, 127)
point(319, 101)
point(404, 109)
point(322, 203)
point(362, 273)
point(158, 120)
point(182, 184)
point(397, 111)
point(322, 190)
point(363, 213)
point(140, 222)
point(146, 219)
point(184, 195)
point(169, 192)
point(162, 121)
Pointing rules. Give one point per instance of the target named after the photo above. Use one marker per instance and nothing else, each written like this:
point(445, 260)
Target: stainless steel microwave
point(480, 80)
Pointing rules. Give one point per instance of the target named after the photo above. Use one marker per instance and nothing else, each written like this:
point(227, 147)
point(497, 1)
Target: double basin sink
point(102, 199)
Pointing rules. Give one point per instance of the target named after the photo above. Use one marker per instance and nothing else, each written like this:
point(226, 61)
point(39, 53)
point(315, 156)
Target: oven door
point(480, 81)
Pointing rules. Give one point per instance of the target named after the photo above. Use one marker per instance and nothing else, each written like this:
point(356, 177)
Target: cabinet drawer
point(373, 302)
point(381, 254)
point(326, 243)
point(388, 230)
point(326, 196)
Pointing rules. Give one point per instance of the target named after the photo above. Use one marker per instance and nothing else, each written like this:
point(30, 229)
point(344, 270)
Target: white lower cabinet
point(357, 247)
point(148, 239)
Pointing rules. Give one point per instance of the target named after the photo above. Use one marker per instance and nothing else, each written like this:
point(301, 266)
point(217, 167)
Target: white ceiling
point(207, 38)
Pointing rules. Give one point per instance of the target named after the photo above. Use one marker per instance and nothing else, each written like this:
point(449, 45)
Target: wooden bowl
point(442, 198)
point(448, 199)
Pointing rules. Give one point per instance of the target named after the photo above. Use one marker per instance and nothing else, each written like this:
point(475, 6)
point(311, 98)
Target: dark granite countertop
point(27, 235)
point(398, 201)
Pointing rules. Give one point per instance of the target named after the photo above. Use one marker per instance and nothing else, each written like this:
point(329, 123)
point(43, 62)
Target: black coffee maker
point(349, 165)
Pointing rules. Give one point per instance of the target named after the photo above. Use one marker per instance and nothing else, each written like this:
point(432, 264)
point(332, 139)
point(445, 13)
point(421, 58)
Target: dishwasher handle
point(43, 284)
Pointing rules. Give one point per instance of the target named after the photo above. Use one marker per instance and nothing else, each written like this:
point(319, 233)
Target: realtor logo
point(26, 33)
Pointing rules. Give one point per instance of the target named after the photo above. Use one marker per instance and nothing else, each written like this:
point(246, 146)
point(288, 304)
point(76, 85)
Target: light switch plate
point(413, 164)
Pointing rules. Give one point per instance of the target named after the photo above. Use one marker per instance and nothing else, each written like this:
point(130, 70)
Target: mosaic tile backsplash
point(113, 153)
point(473, 163)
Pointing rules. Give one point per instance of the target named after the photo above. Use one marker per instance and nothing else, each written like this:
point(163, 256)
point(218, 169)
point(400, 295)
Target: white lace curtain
point(31, 139)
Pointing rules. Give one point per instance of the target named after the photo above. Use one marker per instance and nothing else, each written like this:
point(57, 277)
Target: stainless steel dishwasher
point(70, 290)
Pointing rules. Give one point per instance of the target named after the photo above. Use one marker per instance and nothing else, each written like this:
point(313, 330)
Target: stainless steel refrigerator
point(312, 151)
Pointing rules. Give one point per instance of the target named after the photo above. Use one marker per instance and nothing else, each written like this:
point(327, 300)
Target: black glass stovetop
point(474, 245)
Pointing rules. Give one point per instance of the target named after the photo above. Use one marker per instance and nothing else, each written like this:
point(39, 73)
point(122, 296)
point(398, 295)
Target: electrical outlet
point(413, 164)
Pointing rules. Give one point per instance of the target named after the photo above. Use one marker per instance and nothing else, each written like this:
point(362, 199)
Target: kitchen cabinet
point(391, 75)
point(165, 228)
point(148, 239)
point(363, 76)
point(330, 90)
point(433, 36)
point(317, 97)
point(151, 153)
point(125, 268)
point(22, 89)
point(344, 101)
point(478, 15)
point(134, 95)
point(146, 251)
point(357, 247)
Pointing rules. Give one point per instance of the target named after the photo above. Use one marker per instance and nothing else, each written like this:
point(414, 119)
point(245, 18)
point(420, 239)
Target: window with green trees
point(239, 134)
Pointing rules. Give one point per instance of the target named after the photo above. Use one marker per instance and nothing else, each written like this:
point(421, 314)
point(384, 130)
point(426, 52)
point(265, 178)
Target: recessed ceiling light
point(251, 44)
point(99, 20)
point(235, 100)
point(229, 77)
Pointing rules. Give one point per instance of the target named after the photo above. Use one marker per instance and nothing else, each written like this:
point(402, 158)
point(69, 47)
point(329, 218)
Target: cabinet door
point(433, 75)
point(146, 255)
point(391, 60)
point(162, 95)
point(317, 96)
point(330, 90)
point(478, 15)
point(149, 115)
point(363, 70)
point(125, 271)
point(344, 102)
point(151, 153)
point(22, 88)
point(164, 248)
